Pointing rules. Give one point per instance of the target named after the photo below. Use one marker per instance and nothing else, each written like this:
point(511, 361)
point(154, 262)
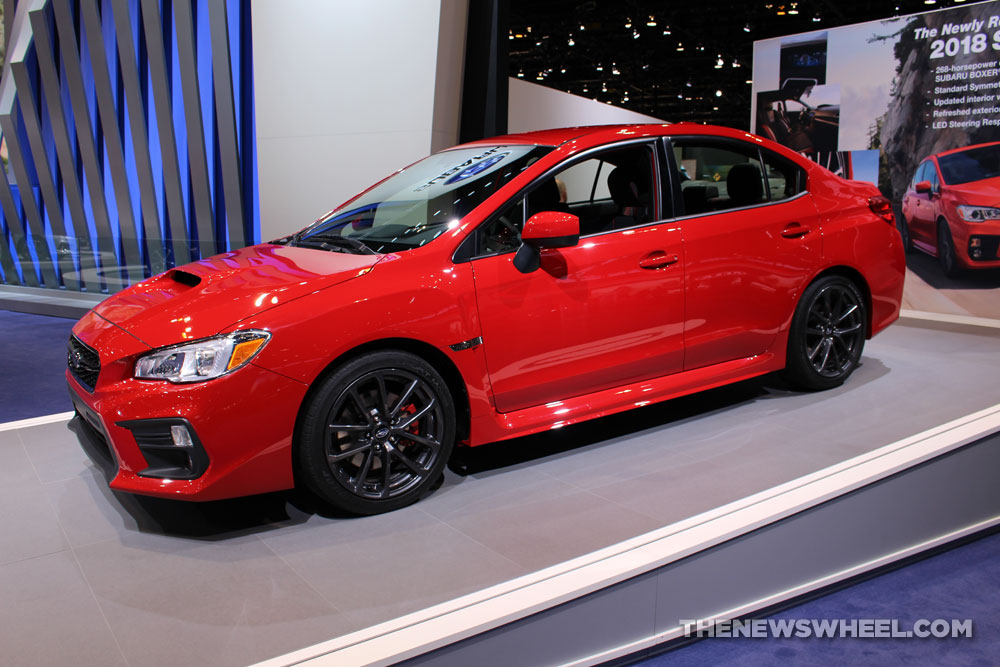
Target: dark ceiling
point(674, 69)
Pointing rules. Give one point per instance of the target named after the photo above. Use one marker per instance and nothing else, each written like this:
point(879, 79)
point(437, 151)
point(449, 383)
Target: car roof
point(966, 148)
point(594, 135)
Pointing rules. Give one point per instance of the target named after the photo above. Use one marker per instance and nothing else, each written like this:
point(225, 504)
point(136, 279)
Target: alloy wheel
point(835, 331)
point(384, 434)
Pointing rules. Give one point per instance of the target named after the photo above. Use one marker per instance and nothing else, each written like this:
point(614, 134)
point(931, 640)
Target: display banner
point(911, 104)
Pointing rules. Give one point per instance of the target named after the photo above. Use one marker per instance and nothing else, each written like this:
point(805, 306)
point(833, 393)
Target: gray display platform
point(94, 577)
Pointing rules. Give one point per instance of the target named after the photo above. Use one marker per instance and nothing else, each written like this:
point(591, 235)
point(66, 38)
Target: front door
point(604, 313)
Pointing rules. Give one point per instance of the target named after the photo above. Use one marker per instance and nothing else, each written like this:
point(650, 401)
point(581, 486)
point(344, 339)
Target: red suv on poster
point(952, 208)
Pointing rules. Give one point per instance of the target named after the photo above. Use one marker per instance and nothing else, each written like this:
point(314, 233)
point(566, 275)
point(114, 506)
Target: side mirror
point(548, 229)
point(923, 186)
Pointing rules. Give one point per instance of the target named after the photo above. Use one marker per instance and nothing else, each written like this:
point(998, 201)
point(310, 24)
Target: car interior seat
point(744, 185)
point(629, 195)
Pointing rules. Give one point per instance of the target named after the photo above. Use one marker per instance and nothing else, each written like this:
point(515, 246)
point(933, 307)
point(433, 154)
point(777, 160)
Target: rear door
point(751, 240)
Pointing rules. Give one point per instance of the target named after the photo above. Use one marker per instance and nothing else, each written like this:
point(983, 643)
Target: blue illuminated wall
point(129, 135)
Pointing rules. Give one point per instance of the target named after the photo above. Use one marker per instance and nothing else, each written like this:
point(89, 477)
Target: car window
point(973, 164)
point(419, 203)
point(608, 190)
point(502, 233)
point(919, 175)
point(784, 178)
point(931, 175)
point(716, 177)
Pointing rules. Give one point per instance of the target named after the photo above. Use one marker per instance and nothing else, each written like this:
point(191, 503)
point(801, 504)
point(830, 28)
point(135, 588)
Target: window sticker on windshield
point(476, 168)
point(470, 167)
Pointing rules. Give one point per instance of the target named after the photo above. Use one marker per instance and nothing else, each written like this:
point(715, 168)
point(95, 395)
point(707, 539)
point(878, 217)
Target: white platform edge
point(454, 620)
point(967, 320)
point(36, 421)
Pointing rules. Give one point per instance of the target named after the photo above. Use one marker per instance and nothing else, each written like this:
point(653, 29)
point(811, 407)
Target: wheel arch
point(858, 279)
point(429, 353)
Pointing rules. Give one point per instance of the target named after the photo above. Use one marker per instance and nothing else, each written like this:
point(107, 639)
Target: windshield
point(416, 205)
point(971, 165)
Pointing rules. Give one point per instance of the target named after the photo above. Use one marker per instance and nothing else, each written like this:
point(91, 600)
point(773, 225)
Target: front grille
point(84, 363)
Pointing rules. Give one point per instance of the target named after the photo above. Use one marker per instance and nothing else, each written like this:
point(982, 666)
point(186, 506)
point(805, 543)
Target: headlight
point(978, 213)
point(202, 360)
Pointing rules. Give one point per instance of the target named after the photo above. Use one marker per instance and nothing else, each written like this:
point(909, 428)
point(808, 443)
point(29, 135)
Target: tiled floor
point(91, 577)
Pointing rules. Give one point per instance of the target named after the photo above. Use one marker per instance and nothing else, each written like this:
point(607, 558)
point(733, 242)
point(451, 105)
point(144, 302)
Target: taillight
point(881, 207)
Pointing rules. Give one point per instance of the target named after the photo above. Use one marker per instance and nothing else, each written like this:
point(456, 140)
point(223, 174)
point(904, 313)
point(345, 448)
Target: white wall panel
point(346, 92)
point(534, 107)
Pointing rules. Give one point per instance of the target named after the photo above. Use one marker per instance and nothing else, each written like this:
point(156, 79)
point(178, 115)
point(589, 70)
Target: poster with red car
point(911, 104)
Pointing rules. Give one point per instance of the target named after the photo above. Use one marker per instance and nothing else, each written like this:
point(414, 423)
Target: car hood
point(203, 298)
point(978, 193)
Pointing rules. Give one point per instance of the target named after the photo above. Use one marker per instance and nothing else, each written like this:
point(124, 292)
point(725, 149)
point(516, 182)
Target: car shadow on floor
point(210, 521)
point(928, 270)
point(606, 430)
point(228, 519)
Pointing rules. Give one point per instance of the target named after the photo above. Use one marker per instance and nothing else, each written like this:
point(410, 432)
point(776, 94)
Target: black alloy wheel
point(946, 250)
point(904, 232)
point(828, 334)
point(378, 433)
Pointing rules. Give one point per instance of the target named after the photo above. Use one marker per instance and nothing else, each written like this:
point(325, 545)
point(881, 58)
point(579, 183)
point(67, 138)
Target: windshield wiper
point(337, 242)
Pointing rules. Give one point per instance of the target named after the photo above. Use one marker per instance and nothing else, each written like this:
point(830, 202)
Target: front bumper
point(242, 424)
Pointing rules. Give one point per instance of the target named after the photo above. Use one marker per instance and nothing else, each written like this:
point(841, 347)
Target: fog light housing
point(170, 446)
point(181, 436)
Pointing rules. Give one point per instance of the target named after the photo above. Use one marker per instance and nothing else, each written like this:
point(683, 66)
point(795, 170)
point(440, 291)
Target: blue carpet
point(32, 361)
point(961, 583)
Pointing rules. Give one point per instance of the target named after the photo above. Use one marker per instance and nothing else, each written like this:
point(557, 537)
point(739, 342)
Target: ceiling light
point(570, 41)
point(635, 34)
point(666, 30)
point(718, 93)
point(600, 67)
point(628, 23)
point(651, 22)
point(562, 71)
point(680, 47)
point(520, 75)
point(604, 87)
point(746, 28)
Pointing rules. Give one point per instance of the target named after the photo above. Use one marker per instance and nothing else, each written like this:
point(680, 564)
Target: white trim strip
point(454, 620)
point(924, 316)
point(789, 594)
point(36, 421)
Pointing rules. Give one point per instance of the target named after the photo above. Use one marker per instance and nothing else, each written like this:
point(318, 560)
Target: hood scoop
point(184, 278)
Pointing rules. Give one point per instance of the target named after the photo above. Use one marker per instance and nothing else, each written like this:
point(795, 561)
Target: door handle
point(794, 231)
point(657, 260)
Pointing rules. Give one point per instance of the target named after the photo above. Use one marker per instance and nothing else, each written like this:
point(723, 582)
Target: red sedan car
point(952, 208)
point(466, 300)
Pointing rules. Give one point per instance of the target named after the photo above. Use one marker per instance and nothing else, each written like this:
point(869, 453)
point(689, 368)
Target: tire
point(946, 251)
point(827, 334)
point(377, 433)
point(904, 232)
